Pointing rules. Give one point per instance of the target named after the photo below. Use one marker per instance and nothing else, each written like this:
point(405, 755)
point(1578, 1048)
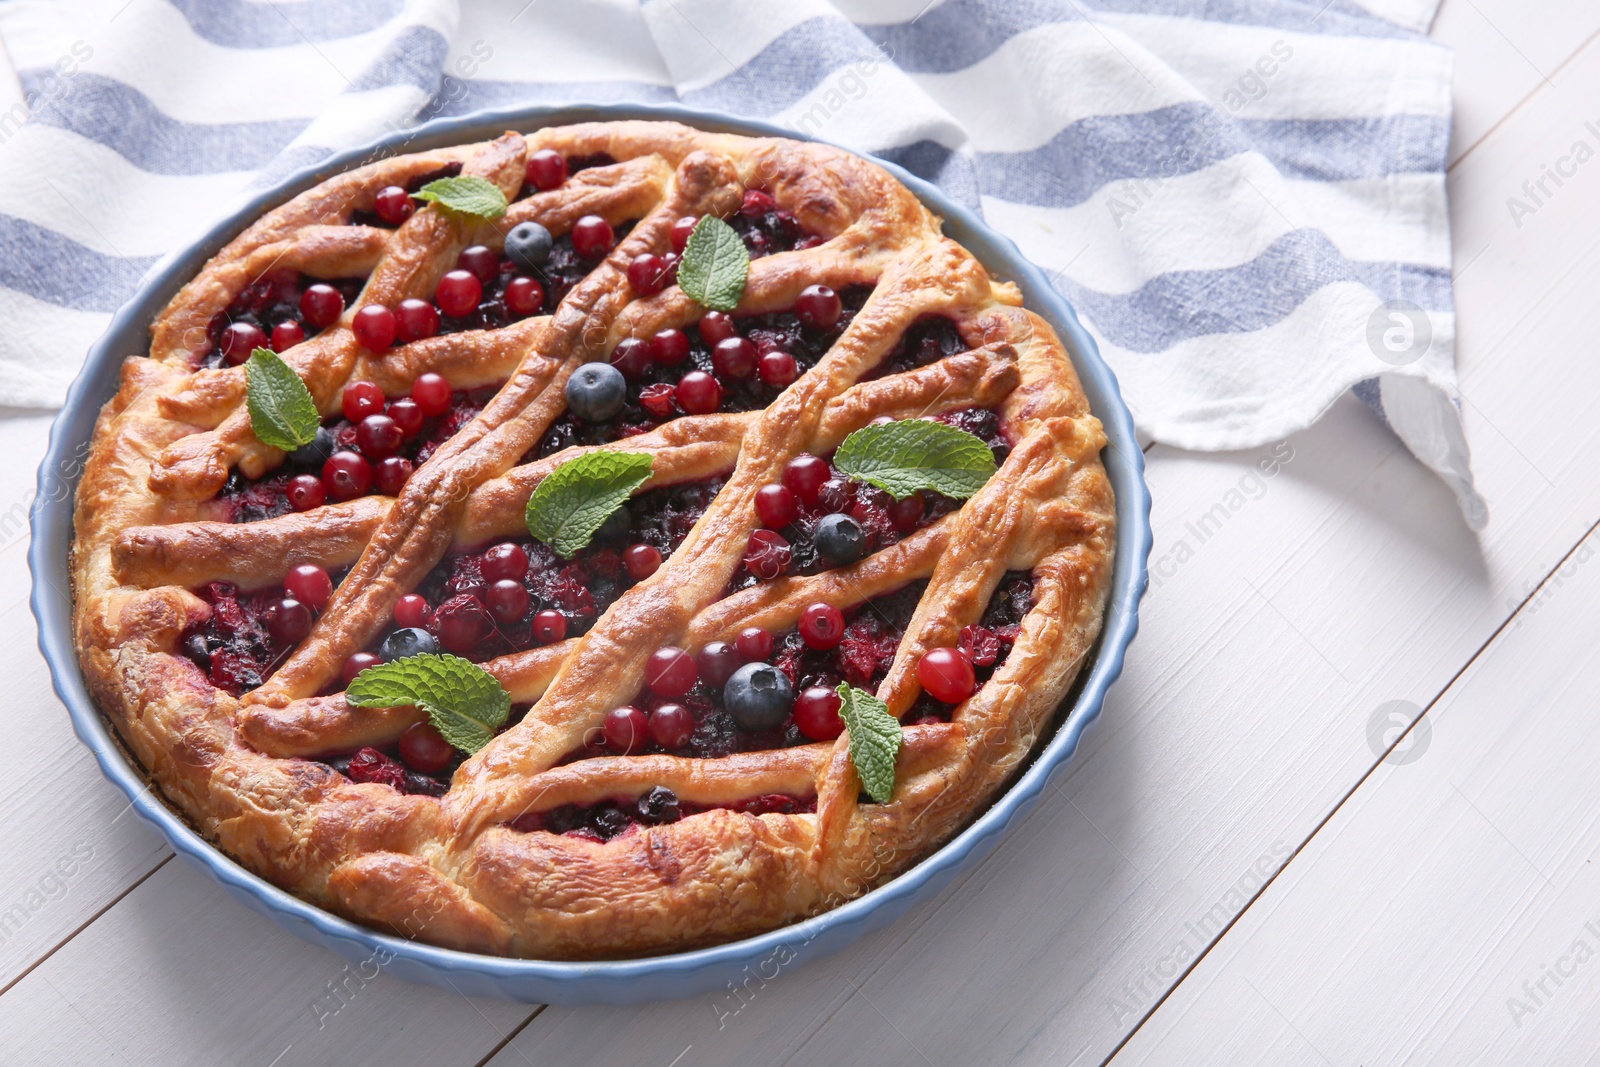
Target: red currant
point(669, 347)
point(415, 320)
point(776, 506)
point(821, 626)
point(669, 264)
point(374, 327)
point(306, 491)
point(624, 729)
point(816, 714)
point(321, 305)
point(754, 644)
point(239, 340)
point(287, 334)
point(458, 293)
point(670, 672)
point(767, 554)
point(407, 414)
point(547, 169)
point(309, 584)
point(357, 663)
point(361, 399)
point(734, 358)
point(698, 393)
point(671, 726)
point(757, 203)
point(657, 400)
point(432, 394)
point(461, 622)
point(393, 205)
point(508, 600)
point(592, 237)
point(818, 307)
point(411, 610)
point(631, 357)
point(641, 561)
point(717, 661)
point(507, 561)
point(777, 369)
point(346, 475)
point(481, 261)
point(378, 436)
point(805, 475)
point(716, 327)
point(946, 675)
point(391, 475)
point(907, 512)
point(681, 231)
point(647, 274)
point(288, 621)
point(424, 748)
point(549, 627)
point(524, 296)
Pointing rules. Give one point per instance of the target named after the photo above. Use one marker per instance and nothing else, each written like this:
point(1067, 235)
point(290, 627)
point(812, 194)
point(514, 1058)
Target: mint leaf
point(466, 193)
point(902, 457)
point(578, 497)
point(282, 413)
point(714, 265)
point(874, 740)
point(463, 701)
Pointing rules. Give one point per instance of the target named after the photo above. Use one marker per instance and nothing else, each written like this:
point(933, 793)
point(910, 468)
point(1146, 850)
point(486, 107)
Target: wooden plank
point(1505, 49)
point(178, 973)
point(1450, 904)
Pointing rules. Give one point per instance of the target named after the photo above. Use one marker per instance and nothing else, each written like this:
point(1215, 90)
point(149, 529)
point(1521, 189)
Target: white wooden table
point(1232, 873)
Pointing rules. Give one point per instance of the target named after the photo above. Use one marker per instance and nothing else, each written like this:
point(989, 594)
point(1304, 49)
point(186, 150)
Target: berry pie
point(593, 543)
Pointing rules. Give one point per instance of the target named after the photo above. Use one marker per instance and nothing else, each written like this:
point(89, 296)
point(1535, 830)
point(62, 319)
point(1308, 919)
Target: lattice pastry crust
point(451, 870)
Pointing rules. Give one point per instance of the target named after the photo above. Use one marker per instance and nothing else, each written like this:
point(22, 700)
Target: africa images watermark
point(1252, 485)
point(1388, 736)
point(1146, 986)
point(52, 885)
point(48, 89)
point(1538, 192)
point(1539, 991)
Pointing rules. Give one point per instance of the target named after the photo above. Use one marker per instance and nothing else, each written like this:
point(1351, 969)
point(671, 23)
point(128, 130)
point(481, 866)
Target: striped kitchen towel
point(1245, 199)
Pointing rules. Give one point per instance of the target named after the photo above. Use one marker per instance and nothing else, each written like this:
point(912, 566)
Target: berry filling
point(604, 821)
point(374, 452)
point(667, 376)
point(250, 633)
point(279, 309)
point(518, 594)
point(818, 517)
point(388, 211)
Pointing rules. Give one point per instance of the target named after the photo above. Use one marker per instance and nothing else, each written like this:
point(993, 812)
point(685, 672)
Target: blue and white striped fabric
point(1245, 199)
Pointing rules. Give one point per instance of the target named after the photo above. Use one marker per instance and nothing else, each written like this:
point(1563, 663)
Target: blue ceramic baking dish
point(624, 981)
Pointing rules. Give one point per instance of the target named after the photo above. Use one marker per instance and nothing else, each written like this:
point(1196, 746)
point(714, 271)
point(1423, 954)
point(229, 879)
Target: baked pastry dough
point(255, 771)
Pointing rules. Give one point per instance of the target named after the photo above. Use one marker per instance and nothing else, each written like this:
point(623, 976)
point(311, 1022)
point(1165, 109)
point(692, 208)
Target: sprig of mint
point(903, 457)
point(715, 265)
point(874, 740)
point(467, 194)
point(577, 498)
point(463, 701)
point(282, 413)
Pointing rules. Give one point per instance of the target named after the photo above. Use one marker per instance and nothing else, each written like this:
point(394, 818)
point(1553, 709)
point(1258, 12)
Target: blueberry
point(312, 456)
point(198, 652)
point(659, 805)
point(758, 696)
point(595, 392)
point(412, 641)
point(839, 539)
point(528, 245)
